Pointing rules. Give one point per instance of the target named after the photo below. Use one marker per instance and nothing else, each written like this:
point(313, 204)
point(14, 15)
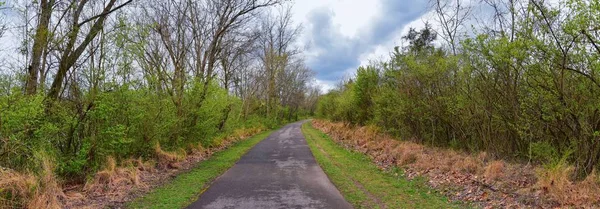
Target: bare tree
point(293, 85)
point(3, 27)
point(171, 25)
point(451, 15)
point(68, 17)
point(505, 16)
point(276, 50)
point(224, 17)
point(235, 56)
point(193, 42)
point(71, 52)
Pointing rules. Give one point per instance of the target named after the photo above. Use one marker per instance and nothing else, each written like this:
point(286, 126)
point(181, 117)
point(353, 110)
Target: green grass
point(366, 186)
point(186, 187)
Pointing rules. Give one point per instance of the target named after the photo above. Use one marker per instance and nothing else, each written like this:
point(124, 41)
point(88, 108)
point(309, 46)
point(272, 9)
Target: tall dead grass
point(116, 180)
point(168, 159)
point(556, 182)
point(238, 134)
point(113, 178)
point(494, 170)
point(26, 190)
point(444, 165)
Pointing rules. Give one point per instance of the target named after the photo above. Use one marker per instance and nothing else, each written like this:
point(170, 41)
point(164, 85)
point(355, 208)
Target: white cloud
point(325, 86)
point(343, 34)
point(382, 51)
point(350, 15)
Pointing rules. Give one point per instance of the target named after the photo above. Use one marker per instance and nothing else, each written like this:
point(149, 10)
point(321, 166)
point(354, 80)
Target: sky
point(341, 35)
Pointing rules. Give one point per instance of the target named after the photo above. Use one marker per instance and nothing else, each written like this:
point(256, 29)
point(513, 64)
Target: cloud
point(334, 54)
point(331, 48)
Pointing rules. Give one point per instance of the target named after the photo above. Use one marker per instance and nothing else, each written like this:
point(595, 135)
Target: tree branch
point(104, 13)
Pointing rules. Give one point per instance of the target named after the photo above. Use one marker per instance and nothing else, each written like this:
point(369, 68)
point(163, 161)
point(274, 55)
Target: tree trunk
point(40, 42)
point(70, 57)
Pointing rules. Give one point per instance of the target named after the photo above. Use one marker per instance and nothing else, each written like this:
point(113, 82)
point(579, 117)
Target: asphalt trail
point(279, 172)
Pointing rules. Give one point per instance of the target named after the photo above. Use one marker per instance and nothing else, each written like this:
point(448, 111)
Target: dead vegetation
point(113, 180)
point(168, 159)
point(118, 183)
point(25, 190)
point(475, 178)
point(494, 170)
point(238, 134)
point(555, 181)
point(115, 184)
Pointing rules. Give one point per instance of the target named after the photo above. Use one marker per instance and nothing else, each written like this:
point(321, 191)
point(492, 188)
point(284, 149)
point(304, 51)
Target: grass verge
point(186, 187)
point(363, 184)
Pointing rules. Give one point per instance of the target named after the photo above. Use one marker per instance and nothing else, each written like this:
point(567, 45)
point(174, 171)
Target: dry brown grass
point(444, 166)
point(408, 153)
point(168, 159)
point(50, 191)
point(113, 179)
point(141, 165)
point(30, 191)
point(589, 189)
point(238, 134)
point(117, 182)
point(468, 164)
point(17, 188)
point(483, 157)
point(494, 170)
point(247, 132)
point(556, 182)
point(198, 151)
point(104, 176)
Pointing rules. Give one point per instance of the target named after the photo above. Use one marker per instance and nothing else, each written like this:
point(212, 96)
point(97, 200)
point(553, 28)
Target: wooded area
point(518, 80)
point(95, 83)
point(118, 78)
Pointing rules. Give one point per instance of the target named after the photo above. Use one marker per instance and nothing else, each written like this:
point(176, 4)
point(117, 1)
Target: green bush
point(497, 95)
point(544, 152)
point(122, 123)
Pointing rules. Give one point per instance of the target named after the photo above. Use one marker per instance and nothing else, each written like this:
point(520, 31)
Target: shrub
point(544, 152)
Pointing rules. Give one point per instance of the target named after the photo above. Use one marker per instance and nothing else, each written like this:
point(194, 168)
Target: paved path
point(279, 172)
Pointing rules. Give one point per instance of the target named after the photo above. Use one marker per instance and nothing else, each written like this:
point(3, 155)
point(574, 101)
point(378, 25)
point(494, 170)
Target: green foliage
point(364, 89)
point(346, 109)
point(122, 123)
point(327, 104)
point(421, 40)
point(19, 115)
point(544, 152)
point(527, 97)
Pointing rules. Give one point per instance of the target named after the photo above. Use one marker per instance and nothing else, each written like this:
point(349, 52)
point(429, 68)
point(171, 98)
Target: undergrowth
point(477, 177)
